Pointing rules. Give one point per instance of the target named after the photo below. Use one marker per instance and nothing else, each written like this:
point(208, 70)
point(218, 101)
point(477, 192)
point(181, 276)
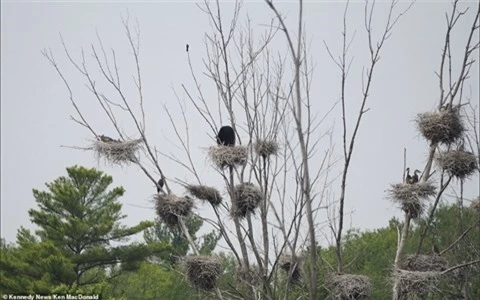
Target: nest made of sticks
point(205, 193)
point(266, 148)
point(349, 286)
point(475, 204)
point(291, 264)
point(228, 156)
point(443, 126)
point(425, 263)
point(416, 283)
point(247, 198)
point(458, 163)
point(116, 151)
point(251, 277)
point(411, 197)
point(170, 208)
point(202, 271)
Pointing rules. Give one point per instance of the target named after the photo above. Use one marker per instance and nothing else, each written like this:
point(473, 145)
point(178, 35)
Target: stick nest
point(458, 163)
point(223, 156)
point(203, 271)
point(348, 286)
point(291, 265)
point(425, 263)
point(170, 207)
point(251, 277)
point(116, 151)
point(266, 148)
point(441, 126)
point(247, 199)
point(411, 197)
point(205, 193)
point(476, 204)
point(416, 283)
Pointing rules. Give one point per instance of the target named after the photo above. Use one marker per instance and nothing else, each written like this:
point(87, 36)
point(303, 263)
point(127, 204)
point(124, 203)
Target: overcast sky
point(35, 107)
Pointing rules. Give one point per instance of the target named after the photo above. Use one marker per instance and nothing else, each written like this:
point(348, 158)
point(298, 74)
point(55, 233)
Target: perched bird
point(226, 136)
point(435, 249)
point(188, 46)
point(160, 185)
point(107, 139)
point(408, 177)
point(415, 176)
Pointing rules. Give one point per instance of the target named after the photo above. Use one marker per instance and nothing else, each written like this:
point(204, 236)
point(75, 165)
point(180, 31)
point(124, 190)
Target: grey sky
point(35, 107)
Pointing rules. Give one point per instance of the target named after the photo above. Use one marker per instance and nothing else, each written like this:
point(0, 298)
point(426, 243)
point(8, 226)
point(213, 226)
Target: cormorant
point(160, 185)
point(415, 176)
point(188, 46)
point(226, 136)
point(408, 178)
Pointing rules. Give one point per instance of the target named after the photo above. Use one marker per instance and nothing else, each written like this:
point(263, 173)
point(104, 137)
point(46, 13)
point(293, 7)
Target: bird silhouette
point(160, 184)
point(408, 177)
point(188, 46)
point(226, 136)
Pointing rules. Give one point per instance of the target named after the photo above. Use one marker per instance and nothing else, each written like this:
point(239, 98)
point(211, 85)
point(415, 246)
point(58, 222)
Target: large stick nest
point(223, 156)
point(441, 126)
point(205, 193)
point(203, 271)
point(291, 265)
point(425, 263)
point(170, 208)
point(116, 151)
point(411, 197)
point(458, 163)
point(349, 286)
point(247, 198)
point(416, 283)
point(251, 277)
point(476, 204)
point(266, 148)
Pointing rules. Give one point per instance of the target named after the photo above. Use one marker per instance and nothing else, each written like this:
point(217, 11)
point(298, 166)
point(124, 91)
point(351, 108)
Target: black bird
point(408, 178)
point(226, 136)
point(160, 185)
point(435, 249)
point(415, 176)
point(188, 46)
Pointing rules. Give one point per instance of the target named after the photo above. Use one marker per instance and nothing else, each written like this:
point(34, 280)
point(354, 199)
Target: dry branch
point(348, 286)
point(203, 271)
point(205, 193)
point(170, 208)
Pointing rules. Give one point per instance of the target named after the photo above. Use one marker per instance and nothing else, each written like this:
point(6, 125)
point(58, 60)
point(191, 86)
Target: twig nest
point(458, 163)
point(247, 199)
point(251, 277)
point(228, 156)
point(205, 193)
point(441, 126)
point(349, 286)
point(203, 271)
point(170, 207)
point(416, 283)
point(116, 151)
point(291, 265)
point(411, 197)
point(266, 148)
point(475, 204)
point(425, 263)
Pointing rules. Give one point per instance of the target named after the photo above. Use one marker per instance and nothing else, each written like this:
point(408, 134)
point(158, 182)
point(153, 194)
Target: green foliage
point(78, 219)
